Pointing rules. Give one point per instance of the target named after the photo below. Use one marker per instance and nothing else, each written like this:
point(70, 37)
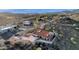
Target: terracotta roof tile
point(42, 33)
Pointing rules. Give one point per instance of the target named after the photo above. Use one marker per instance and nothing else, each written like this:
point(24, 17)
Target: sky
point(32, 10)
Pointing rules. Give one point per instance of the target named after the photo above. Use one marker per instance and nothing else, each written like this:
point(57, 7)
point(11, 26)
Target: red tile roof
point(42, 33)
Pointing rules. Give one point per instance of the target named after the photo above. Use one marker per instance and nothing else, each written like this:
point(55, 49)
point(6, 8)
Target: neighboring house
point(28, 39)
point(6, 28)
point(27, 23)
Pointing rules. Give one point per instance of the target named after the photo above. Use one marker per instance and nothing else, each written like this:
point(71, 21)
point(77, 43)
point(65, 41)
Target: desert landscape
point(42, 31)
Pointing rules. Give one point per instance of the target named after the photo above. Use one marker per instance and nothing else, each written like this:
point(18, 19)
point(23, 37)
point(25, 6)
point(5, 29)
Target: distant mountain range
point(38, 11)
point(32, 11)
point(72, 11)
